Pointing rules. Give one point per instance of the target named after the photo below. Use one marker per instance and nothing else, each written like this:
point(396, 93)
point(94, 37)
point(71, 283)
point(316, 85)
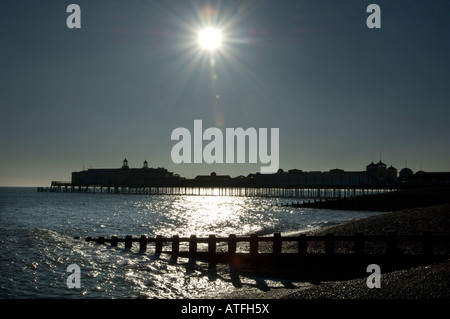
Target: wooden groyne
point(384, 202)
point(329, 254)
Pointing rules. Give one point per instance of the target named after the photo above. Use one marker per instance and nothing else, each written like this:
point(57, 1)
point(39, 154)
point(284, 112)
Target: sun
point(210, 39)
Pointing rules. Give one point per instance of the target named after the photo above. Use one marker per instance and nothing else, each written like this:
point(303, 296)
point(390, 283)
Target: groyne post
point(277, 243)
point(128, 242)
point(253, 249)
point(253, 245)
point(158, 245)
point(114, 241)
point(232, 243)
point(175, 246)
point(143, 243)
point(212, 247)
point(192, 247)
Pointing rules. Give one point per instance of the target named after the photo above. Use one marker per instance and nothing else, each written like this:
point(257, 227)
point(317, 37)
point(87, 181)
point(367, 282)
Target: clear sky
point(340, 93)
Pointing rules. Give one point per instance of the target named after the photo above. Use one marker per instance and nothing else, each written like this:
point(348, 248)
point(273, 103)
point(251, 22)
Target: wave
point(327, 223)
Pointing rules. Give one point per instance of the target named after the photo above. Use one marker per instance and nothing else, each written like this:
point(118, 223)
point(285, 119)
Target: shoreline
point(385, 202)
point(430, 281)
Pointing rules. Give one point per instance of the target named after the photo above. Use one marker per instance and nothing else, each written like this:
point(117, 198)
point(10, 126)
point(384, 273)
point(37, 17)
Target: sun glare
point(210, 39)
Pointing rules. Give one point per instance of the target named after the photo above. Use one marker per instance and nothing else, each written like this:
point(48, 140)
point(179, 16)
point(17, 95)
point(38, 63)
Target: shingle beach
point(431, 281)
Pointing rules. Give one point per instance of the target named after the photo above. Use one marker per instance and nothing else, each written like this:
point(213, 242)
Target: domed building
point(405, 172)
point(378, 173)
point(405, 175)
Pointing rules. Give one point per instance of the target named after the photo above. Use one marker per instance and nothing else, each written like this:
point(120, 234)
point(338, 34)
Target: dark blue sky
point(340, 93)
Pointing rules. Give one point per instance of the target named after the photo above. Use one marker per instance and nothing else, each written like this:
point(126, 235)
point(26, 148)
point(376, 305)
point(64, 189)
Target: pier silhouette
point(335, 183)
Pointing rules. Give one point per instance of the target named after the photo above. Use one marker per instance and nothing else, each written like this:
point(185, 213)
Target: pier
point(293, 183)
point(307, 191)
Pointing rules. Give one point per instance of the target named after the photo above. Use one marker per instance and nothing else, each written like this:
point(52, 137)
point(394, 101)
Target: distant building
point(375, 175)
point(381, 170)
point(406, 172)
point(430, 178)
point(295, 177)
point(391, 174)
point(372, 169)
point(123, 177)
point(212, 177)
point(379, 174)
point(421, 178)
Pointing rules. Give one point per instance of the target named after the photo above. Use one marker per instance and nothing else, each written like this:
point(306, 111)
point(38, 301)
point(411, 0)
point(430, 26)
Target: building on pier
point(145, 178)
point(381, 174)
point(124, 176)
point(375, 174)
point(212, 177)
point(333, 177)
point(421, 178)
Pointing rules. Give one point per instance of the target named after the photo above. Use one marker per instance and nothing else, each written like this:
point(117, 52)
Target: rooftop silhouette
point(375, 175)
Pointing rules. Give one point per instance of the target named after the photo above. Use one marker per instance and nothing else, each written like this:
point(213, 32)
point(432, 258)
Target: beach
point(431, 281)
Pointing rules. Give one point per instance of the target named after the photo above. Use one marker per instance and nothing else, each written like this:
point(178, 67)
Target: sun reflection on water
point(203, 215)
point(218, 215)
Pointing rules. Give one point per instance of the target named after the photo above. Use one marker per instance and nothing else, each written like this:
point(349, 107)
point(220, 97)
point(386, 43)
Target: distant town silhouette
point(376, 175)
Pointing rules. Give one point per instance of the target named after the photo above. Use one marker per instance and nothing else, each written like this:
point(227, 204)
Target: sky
point(341, 94)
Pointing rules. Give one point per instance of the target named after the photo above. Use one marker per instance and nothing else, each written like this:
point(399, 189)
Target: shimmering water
point(37, 241)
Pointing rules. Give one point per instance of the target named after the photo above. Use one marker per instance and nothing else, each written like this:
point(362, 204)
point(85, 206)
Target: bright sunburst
point(214, 39)
point(210, 39)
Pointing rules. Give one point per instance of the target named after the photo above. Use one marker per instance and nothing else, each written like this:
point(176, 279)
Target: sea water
point(37, 241)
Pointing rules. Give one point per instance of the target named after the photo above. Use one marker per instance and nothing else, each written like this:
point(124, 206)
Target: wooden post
point(253, 245)
point(128, 242)
point(359, 244)
point(143, 243)
point(329, 244)
point(302, 244)
point(211, 247)
point(175, 245)
point(193, 247)
point(427, 243)
point(114, 241)
point(277, 243)
point(232, 241)
point(254, 250)
point(391, 243)
point(158, 245)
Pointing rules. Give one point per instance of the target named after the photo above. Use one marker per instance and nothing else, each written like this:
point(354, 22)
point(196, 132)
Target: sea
point(40, 255)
